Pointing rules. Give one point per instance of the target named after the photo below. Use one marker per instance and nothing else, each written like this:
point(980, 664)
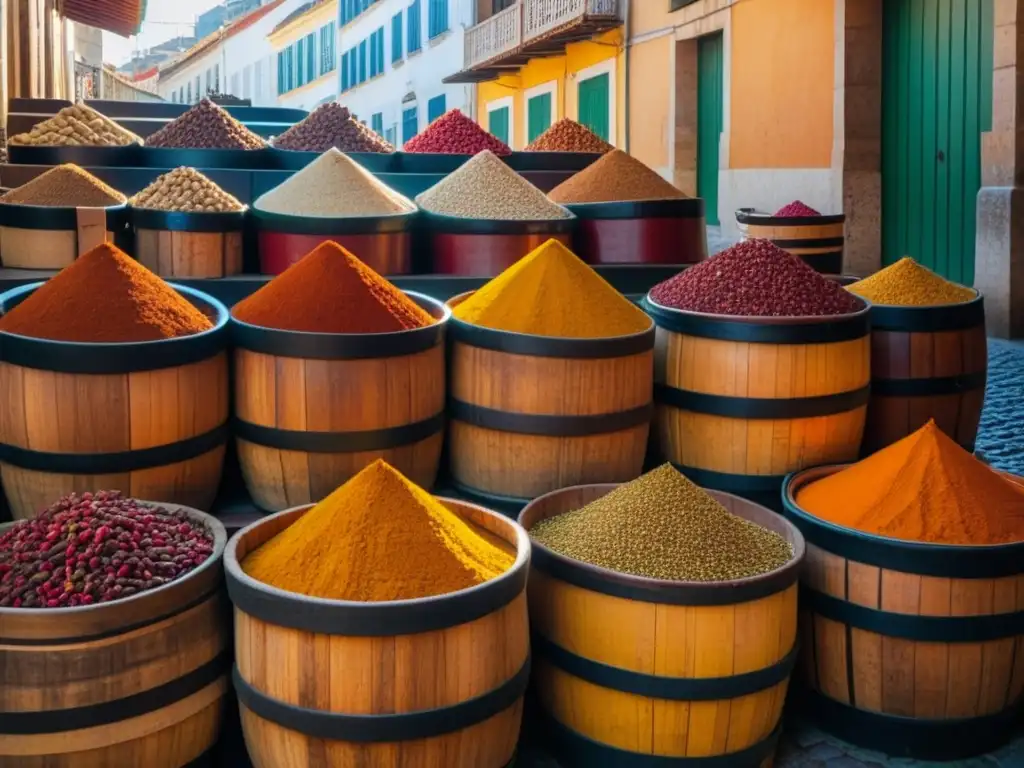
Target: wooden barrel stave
point(819, 241)
point(170, 253)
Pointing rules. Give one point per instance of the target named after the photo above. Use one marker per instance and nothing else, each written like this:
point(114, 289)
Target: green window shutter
point(396, 37)
point(594, 104)
point(538, 116)
point(435, 108)
point(497, 123)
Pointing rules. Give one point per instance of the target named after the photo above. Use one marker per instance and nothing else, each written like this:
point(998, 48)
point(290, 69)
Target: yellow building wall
point(651, 124)
point(782, 84)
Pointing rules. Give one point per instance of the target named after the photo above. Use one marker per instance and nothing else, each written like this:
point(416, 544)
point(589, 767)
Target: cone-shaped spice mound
point(186, 189)
point(796, 209)
point(567, 135)
point(378, 537)
point(331, 125)
point(551, 292)
point(104, 296)
point(923, 488)
point(754, 278)
point(662, 526)
point(455, 134)
point(906, 283)
point(205, 126)
point(76, 126)
point(333, 185)
point(331, 291)
point(65, 186)
point(486, 188)
point(616, 176)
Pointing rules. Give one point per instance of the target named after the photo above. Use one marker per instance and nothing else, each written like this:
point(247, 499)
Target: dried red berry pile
point(755, 278)
point(95, 548)
point(796, 209)
point(455, 134)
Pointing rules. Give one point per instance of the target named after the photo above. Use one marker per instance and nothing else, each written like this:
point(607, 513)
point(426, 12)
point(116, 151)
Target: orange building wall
point(782, 84)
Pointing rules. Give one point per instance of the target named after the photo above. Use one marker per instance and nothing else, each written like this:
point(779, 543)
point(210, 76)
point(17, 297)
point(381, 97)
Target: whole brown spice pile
point(77, 126)
point(331, 125)
point(205, 126)
point(567, 135)
point(65, 186)
point(186, 189)
point(615, 177)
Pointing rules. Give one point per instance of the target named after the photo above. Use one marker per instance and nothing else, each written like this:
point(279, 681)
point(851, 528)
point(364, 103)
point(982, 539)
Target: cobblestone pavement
point(1001, 435)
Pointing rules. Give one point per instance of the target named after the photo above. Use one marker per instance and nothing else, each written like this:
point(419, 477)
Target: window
point(327, 36)
point(396, 37)
point(595, 104)
point(344, 72)
point(300, 75)
point(311, 73)
point(435, 108)
point(216, 78)
point(362, 61)
point(414, 26)
point(389, 135)
point(377, 52)
point(377, 123)
point(438, 20)
point(199, 89)
point(209, 79)
point(410, 126)
point(189, 92)
point(498, 123)
point(280, 72)
point(538, 115)
point(353, 68)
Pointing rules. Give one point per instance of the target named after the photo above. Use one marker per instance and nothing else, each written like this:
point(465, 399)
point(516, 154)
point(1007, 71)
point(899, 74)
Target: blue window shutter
point(396, 37)
point(409, 124)
point(377, 123)
point(362, 62)
point(438, 22)
point(280, 72)
point(414, 26)
point(380, 48)
point(435, 108)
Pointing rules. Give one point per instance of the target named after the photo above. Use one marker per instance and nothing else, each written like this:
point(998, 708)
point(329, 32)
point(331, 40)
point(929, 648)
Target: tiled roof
point(300, 11)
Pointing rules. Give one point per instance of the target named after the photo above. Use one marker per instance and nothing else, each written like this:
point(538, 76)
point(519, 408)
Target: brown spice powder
point(65, 186)
point(615, 177)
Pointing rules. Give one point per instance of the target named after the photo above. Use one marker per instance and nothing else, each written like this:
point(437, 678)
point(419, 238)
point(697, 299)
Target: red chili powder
point(755, 278)
point(796, 209)
point(455, 134)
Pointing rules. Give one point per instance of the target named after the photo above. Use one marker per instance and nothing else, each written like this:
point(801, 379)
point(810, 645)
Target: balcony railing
point(494, 37)
point(543, 16)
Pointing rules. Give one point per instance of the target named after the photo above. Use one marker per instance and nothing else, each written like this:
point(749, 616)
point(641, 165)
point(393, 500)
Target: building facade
point(536, 61)
point(304, 45)
point(393, 56)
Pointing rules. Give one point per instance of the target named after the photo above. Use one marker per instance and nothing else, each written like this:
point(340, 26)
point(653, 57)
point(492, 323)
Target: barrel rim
point(187, 221)
point(445, 224)
point(280, 342)
point(290, 224)
point(937, 317)
point(104, 357)
point(385, 618)
point(760, 320)
point(606, 581)
point(530, 345)
point(754, 216)
point(63, 218)
point(220, 540)
point(916, 557)
point(675, 208)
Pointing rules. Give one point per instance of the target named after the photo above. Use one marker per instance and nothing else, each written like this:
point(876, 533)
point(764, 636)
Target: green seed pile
point(662, 526)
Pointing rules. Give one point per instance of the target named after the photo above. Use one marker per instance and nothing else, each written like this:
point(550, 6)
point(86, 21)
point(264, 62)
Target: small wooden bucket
point(140, 681)
point(743, 401)
point(190, 245)
point(43, 237)
point(530, 414)
point(818, 240)
point(909, 648)
point(148, 418)
point(638, 671)
point(434, 681)
point(926, 363)
point(646, 232)
point(485, 248)
point(313, 409)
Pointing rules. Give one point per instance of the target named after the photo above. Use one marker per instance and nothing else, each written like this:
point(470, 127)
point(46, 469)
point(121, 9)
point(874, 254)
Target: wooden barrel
point(43, 237)
point(436, 681)
point(818, 240)
point(313, 409)
point(742, 402)
point(926, 363)
point(637, 671)
point(147, 418)
point(643, 232)
point(529, 414)
point(190, 245)
point(136, 682)
point(913, 649)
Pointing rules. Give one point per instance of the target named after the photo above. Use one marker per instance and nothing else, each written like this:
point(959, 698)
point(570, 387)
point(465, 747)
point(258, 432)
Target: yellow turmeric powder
point(378, 537)
point(907, 284)
point(924, 487)
point(551, 292)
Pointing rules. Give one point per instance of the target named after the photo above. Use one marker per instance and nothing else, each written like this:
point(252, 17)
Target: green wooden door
point(936, 102)
point(538, 116)
point(497, 123)
point(709, 121)
point(594, 106)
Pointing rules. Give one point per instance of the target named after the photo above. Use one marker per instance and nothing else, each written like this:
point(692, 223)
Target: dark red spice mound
point(455, 134)
point(755, 278)
point(796, 209)
point(95, 548)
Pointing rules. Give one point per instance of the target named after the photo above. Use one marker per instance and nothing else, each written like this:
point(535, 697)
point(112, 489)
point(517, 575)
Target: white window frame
point(551, 86)
point(609, 67)
point(494, 106)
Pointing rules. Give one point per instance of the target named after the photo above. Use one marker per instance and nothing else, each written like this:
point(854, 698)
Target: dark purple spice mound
point(95, 548)
point(755, 278)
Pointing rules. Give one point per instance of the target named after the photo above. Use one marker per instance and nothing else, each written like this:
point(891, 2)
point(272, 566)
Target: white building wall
point(250, 61)
point(308, 97)
point(418, 74)
point(192, 77)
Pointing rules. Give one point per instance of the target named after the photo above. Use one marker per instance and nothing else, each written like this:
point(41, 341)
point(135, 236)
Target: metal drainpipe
point(628, 45)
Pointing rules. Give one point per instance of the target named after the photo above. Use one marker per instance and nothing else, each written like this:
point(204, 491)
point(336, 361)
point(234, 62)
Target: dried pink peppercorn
point(755, 278)
point(796, 209)
point(455, 134)
point(95, 548)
